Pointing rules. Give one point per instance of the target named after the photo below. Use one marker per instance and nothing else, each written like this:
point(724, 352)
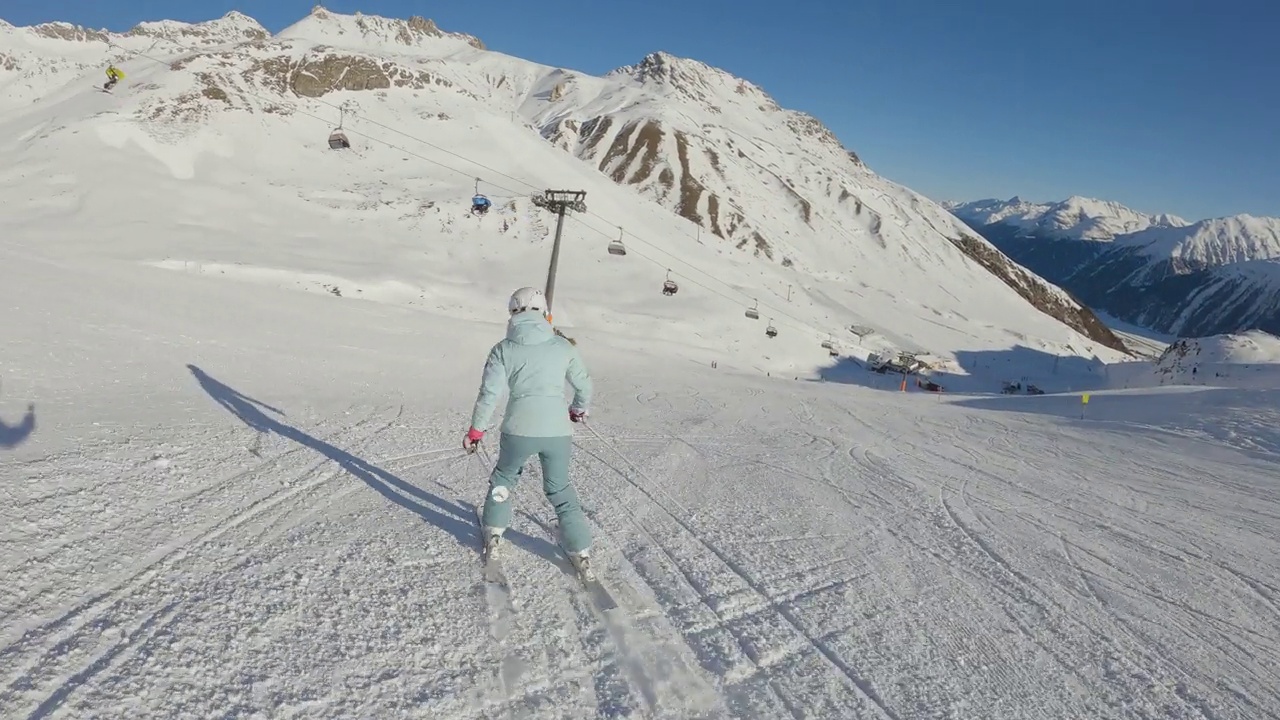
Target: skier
point(113, 76)
point(532, 363)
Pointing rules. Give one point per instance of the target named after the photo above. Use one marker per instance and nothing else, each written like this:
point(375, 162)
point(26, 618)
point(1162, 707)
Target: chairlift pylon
point(752, 312)
point(669, 286)
point(616, 247)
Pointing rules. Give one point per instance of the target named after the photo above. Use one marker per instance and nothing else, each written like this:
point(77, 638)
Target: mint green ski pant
point(553, 452)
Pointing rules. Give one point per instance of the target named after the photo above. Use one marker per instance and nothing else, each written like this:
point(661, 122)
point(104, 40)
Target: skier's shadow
point(13, 435)
point(458, 521)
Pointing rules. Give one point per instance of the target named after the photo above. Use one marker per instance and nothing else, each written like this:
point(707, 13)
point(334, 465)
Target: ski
point(599, 594)
point(502, 615)
point(596, 590)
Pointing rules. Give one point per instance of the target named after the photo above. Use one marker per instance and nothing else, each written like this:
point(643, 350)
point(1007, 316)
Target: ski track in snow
point(822, 559)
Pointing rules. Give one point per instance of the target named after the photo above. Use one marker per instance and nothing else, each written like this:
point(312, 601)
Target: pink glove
point(472, 439)
point(576, 414)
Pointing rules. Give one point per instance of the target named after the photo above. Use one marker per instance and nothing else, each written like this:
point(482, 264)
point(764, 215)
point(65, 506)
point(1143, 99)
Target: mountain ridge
point(780, 199)
point(1209, 277)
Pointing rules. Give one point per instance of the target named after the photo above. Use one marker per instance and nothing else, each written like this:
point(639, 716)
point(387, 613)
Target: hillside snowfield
point(213, 137)
point(244, 499)
point(238, 490)
point(1249, 359)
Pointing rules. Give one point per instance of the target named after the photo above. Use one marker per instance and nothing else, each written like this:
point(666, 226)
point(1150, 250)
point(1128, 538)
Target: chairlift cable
point(516, 193)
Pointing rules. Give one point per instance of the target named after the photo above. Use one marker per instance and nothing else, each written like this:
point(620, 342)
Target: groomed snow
point(249, 500)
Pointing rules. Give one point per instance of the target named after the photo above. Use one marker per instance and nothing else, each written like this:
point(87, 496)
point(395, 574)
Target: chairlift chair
point(771, 331)
point(479, 204)
point(669, 286)
point(752, 312)
point(616, 247)
point(827, 344)
point(338, 140)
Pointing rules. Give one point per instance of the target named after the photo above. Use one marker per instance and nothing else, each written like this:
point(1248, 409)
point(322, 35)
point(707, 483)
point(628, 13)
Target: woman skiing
point(532, 363)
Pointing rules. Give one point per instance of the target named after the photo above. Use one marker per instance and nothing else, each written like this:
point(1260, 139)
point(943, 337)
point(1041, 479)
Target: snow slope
point(242, 499)
point(241, 493)
point(1249, 359)
point(37, 59)
point(239, 131)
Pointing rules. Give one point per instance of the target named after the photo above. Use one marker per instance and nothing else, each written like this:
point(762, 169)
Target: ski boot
point(582, 564)
point(492, 541)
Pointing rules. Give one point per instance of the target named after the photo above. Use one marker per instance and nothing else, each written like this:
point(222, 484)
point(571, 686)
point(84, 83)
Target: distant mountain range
point(1211, 277)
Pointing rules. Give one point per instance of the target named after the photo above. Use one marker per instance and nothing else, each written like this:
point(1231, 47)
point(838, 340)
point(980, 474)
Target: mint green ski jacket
point(532, 363)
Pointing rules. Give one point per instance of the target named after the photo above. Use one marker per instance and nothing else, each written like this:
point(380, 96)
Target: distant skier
point(532, 363)
point(114, 75)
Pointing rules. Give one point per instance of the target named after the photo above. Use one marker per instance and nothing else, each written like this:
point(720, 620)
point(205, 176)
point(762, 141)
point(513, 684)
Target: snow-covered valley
point(241, 491)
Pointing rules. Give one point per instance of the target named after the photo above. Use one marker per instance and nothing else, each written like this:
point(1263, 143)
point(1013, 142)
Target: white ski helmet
point(527, 298)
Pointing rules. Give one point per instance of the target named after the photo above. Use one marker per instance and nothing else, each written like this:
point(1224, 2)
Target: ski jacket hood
point(529, 328)
point(532, 364)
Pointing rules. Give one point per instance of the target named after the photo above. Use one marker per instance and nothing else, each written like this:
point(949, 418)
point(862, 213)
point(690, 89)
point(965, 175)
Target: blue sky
point(1163, 105)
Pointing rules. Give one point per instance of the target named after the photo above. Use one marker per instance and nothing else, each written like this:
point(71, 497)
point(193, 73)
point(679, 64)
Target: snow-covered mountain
point(1077, 218)
point(706, 178)
point(1209, 277)
point(1210, 243)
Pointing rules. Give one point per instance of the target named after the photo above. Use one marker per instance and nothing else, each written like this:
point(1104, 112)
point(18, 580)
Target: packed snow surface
point(247, 500)
point(232, 397)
